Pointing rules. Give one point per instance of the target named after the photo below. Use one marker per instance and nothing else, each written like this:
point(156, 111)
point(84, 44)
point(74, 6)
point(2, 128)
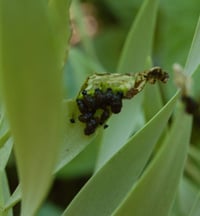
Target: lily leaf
point(120, 173)
point(193, 59)
point(133, 59)
point(155, 191)
point(31, 79)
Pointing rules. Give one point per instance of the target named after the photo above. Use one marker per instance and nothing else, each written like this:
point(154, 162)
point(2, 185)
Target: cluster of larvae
point(96, 109)
point(102, 94)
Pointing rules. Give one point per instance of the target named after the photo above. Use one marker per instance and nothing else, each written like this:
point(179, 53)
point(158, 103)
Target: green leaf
point(195, 211)
point(49, 209)
point(4, 129)
point(185, 197)
point(108, 186)
point(5, 152)
point(31, 59)
point(4, 138)
point(74, 139)
point(170, 47)
point(193, 164)
point(13, 199)
point(59, 13)
point(155, 191)
point(194, 154)
point(193, 59)
point(138, 45)
point(121, 127)
point(78, 17)
point(4, 194)
point(83, 163)
point(136, 50)
point(78, 67)
point(151, 107)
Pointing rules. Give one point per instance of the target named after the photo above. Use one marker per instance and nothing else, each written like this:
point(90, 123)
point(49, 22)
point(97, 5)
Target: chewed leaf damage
point(102, 94)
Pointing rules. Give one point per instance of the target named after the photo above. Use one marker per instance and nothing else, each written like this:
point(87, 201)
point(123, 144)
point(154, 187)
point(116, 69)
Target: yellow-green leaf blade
point(134, 56)
point(107, 188)
point(31, 60)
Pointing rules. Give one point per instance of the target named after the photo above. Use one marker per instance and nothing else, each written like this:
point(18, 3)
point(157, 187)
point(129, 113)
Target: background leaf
point(185, 197)
point(119, 174)
point(133, 58)
point(155, 191)
point(195, 211)
point(4, 194)
point(138, 45)
point(189, 185)
point(170, 47)
point(193, 59)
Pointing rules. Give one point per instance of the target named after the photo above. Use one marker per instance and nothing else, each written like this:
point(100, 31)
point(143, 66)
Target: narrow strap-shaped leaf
point(31, 59)
point(134, 55)
point(138, 45)
point(13, 199)
point(195, 211)
point(4, 194)
point(110, 184)
point(5, 152)
point(193, 59)
point(155, 191)
point(74, 138)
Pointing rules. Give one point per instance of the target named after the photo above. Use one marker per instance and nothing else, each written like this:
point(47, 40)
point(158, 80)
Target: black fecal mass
point(96, 109)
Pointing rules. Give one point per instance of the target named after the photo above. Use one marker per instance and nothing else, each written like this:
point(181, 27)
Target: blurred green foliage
point(172, 40)
point(175, 27)
point(101, 52)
